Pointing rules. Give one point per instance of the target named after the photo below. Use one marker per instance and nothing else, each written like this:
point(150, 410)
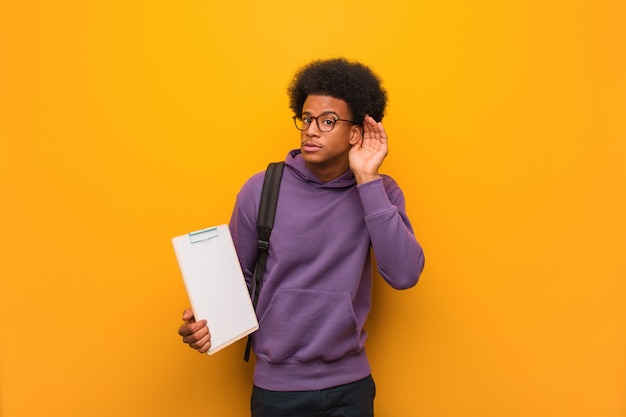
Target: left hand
point(367, 155)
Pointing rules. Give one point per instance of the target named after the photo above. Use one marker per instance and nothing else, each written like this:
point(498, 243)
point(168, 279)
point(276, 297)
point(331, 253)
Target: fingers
point(373, 129)
point(196, 338)
point(370, 121)
point(191, 326)
point(195, 334)
point(200, 340)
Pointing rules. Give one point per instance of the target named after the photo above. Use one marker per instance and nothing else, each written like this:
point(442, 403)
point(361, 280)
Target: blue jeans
point(350, 400)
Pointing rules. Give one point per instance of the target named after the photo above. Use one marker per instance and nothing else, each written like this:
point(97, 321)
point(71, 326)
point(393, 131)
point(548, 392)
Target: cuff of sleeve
point(374, 198)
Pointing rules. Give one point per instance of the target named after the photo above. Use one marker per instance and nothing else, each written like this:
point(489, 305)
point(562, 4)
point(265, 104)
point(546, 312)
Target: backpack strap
point(264, 224)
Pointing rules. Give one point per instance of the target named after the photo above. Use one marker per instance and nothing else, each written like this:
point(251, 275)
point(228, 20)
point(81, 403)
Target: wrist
point(363, 178)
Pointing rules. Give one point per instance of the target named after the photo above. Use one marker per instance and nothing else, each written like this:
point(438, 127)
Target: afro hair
point(351, 82)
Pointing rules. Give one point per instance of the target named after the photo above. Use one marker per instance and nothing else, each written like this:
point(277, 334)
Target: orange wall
point(124, 123)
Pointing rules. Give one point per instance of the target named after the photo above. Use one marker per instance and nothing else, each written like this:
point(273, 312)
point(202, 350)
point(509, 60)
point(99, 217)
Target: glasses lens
point(326, 122)
point(300, 123)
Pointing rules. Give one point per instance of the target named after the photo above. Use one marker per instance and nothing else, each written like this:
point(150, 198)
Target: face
point(326, 153)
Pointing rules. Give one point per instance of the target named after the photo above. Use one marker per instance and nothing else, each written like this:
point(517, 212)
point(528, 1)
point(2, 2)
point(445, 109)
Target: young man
point(333, 206)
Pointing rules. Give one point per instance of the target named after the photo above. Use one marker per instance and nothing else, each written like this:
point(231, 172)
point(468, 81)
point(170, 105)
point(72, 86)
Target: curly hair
point(351, 82)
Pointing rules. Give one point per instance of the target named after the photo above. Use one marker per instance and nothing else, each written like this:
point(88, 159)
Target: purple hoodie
point(316, 291)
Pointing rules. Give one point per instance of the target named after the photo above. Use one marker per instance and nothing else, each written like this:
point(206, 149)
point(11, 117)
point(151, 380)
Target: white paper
point(215, 284)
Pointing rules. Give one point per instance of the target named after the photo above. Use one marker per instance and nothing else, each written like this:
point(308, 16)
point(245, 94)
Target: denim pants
point(350, 400)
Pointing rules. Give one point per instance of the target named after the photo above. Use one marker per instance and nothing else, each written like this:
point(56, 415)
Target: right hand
point(195, 334)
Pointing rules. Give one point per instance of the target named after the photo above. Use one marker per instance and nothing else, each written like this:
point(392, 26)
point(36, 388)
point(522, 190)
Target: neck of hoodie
point(296, 161)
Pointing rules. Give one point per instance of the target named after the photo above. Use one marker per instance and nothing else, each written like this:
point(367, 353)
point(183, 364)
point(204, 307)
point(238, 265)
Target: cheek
point(343, 144)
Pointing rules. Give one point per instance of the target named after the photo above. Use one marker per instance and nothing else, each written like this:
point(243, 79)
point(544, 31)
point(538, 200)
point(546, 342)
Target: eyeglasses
point(325, 122)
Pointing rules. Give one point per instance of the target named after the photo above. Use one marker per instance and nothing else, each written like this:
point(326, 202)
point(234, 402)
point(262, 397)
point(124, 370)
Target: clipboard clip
point(203, 234)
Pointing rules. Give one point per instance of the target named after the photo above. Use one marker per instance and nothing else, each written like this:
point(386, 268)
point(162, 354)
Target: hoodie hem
point(309, 376)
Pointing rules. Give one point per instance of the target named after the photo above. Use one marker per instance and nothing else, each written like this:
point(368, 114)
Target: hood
point(298, 169)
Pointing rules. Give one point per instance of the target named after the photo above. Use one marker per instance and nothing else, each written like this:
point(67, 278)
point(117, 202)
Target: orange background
point(124, 123)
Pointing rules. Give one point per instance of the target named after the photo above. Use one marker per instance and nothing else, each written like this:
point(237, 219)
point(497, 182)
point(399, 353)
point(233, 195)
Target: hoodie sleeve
point(399, 256)
point(243, 225)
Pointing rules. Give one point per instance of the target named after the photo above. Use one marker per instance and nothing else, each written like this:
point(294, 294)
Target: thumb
point(187, 314)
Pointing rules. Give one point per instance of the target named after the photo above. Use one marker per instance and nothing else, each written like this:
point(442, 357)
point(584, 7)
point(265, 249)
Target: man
point(333, 206)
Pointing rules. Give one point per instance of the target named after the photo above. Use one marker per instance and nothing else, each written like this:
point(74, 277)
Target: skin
point(195, 333)
point(328, 155)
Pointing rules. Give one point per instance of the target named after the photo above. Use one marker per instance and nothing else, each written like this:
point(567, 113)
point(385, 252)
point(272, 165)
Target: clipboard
point(215, 284)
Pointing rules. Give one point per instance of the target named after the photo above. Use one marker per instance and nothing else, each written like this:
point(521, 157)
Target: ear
point(355, 134)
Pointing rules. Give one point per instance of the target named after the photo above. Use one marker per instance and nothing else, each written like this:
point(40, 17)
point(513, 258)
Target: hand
point(367, 155)
point(195, 334)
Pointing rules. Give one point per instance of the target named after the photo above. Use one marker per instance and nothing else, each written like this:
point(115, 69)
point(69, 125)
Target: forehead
point(316, 104)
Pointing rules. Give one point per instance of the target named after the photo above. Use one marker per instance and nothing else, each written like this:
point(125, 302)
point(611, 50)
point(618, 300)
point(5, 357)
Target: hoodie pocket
point(307, 325)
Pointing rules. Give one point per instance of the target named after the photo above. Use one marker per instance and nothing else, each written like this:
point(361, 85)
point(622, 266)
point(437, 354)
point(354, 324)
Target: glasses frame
point(337, 119)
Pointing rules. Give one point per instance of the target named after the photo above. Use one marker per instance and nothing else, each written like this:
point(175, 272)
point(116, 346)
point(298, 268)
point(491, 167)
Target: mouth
point(310, 147)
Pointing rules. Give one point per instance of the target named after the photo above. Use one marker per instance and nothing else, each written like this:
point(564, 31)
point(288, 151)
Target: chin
point(313, 159)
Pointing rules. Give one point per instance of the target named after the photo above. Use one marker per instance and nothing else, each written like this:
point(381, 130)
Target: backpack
point(264, 224)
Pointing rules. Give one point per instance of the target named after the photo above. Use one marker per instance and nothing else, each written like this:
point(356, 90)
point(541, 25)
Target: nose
point(313, 125)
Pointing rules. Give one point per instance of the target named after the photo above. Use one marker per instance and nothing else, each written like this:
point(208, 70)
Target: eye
point(327, 120)
point(306, 120)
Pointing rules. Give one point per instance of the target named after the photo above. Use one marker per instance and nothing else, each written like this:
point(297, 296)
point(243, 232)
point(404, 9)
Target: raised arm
point(399, 256)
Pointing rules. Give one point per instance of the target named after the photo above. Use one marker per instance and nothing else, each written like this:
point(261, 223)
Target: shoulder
point(253, 183)
point(250, 193)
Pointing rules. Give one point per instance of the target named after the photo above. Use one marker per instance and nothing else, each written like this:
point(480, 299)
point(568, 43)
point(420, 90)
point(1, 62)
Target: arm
point(245, 236)
point(399, 256)
point(243, 226)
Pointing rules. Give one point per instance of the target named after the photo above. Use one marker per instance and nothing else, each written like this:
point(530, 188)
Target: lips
point(310, 146)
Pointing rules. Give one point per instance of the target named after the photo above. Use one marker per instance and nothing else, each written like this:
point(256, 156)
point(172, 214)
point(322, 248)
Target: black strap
point(264, 224)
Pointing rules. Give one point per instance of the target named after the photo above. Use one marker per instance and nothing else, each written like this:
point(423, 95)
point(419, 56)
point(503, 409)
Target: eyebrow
point(308, 113)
